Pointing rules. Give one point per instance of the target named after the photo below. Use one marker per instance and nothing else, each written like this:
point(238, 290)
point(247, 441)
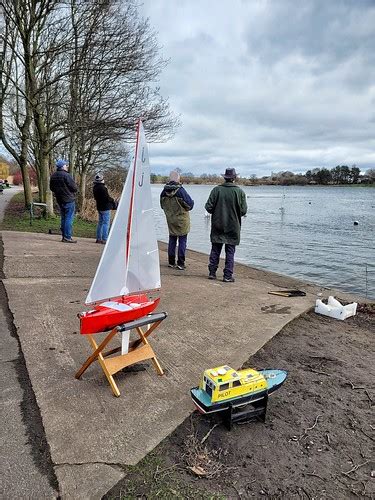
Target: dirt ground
point(318, 438)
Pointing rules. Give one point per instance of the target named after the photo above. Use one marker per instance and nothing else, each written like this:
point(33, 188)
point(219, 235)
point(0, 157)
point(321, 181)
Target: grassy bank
point(16, 218)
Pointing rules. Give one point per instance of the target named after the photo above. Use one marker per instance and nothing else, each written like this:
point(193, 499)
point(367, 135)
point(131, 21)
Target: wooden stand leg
point(101, 360)
point(139, 350)
point(156, 363)
point(95, 354)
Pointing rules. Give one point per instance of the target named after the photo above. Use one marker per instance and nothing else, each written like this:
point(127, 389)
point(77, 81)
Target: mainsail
point(130, 259)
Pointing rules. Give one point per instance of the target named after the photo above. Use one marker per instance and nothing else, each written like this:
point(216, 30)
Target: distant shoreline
point(192, 183)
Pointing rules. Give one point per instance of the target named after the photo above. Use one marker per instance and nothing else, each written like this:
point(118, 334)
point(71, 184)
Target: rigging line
point(137, 221)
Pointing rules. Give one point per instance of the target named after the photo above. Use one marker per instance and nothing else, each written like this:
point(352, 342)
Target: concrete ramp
point(92, 434)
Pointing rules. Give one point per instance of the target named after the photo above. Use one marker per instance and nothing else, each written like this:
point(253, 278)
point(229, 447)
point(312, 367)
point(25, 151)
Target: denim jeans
point(215, 256)
point(67, 211)
point(102, 229)
point(182, 240)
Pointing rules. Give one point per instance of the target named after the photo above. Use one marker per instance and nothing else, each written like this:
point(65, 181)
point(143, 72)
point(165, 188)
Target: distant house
point(4, 170)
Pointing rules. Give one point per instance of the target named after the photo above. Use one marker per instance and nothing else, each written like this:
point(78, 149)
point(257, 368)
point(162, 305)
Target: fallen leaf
point(198, 471)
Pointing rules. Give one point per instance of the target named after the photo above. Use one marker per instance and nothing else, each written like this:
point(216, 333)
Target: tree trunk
point(25, 176)
point(82, 190)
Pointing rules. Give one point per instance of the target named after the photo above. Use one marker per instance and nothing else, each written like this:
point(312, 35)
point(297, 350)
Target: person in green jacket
point(226, 204)
point(176, 203)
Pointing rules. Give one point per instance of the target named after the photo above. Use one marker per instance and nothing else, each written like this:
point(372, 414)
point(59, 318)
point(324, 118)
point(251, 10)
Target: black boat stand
point(245, 413)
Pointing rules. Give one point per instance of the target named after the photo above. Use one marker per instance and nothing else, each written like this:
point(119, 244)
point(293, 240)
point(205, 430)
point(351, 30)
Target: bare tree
point(15, 112)
point(115, 64)
point(89, 70)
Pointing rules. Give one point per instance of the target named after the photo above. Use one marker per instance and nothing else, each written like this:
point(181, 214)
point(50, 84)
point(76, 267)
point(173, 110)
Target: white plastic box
point(334, 309)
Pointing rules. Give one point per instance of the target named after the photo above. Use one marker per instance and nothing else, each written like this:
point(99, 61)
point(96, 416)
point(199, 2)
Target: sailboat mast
point(130, 216)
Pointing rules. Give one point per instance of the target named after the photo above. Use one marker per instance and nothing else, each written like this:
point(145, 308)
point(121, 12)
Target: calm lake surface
point(304, 232)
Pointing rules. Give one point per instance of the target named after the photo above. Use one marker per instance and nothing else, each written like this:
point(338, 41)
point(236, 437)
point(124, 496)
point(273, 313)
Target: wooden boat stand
point(139, 350)
point(241, 414)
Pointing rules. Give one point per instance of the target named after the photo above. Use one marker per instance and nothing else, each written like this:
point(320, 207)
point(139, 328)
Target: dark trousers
point(215, 257)
point(182, 240)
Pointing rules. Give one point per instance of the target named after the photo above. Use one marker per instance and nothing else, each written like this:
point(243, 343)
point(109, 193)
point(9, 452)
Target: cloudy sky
point(267, 85)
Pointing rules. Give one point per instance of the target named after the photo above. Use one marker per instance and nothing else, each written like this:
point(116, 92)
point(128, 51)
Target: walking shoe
point(212, 276)
point(171, 265)
point(181, 267)
point(66, 240)
point(228, 280)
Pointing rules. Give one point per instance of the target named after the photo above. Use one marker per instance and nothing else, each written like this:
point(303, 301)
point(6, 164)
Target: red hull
point(115, 312)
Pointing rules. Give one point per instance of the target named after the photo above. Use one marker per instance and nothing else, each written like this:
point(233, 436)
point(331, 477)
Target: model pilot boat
point(222, 387)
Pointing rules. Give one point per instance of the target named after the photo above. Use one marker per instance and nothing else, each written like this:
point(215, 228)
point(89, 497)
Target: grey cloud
point(268, 85)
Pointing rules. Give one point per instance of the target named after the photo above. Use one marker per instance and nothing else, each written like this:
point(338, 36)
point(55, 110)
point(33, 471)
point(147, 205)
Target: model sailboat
point(129, 266)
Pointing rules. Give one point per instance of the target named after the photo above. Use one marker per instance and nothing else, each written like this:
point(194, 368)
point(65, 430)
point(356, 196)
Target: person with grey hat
point(227, 204)
point(176, 203)
point(104, 205)
point(64, 188)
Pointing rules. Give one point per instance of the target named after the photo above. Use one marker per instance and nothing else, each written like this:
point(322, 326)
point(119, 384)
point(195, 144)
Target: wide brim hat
point(230, 173)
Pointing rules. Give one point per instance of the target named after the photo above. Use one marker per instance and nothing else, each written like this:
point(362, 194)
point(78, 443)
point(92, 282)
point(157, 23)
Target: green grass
point(16, 218)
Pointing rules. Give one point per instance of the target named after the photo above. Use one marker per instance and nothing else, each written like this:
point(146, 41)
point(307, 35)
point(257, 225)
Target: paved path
point(5, 197)
point(91, 434)
point(25, 467)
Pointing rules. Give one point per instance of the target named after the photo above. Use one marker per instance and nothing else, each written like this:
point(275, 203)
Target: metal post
point(32, 209)
point(31, 214)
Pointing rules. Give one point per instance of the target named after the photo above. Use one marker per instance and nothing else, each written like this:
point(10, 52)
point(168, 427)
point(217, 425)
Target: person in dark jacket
point(226, 204)
point(176, 203)
point(104, 205)
point(64, 188)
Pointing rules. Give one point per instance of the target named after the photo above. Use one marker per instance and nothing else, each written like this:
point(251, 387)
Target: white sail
point(130, 259)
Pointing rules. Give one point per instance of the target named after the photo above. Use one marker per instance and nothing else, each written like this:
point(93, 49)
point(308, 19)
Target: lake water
point(304, 232)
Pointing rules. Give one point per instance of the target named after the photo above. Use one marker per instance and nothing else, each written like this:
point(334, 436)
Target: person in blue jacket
point(176, 203)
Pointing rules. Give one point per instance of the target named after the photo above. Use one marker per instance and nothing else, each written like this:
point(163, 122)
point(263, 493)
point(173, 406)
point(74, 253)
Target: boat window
point(210, 383)
point(249, 375)
point(224, 387)
point(226, 368)
point(236, 383)
point(234, 374)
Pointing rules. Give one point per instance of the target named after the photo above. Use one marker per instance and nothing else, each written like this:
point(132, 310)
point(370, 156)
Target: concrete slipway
point(92, 434)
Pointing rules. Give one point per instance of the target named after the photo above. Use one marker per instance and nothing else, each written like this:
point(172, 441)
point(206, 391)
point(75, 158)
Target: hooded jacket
point(227, 204)
point(176, 203)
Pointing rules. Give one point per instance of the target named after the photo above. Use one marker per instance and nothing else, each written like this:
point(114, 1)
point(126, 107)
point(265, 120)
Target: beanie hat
point(99, 178)
point(61, 164)
point(174, 176)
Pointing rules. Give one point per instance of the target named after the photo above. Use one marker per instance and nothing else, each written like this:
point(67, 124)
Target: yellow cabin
point(223, 383)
